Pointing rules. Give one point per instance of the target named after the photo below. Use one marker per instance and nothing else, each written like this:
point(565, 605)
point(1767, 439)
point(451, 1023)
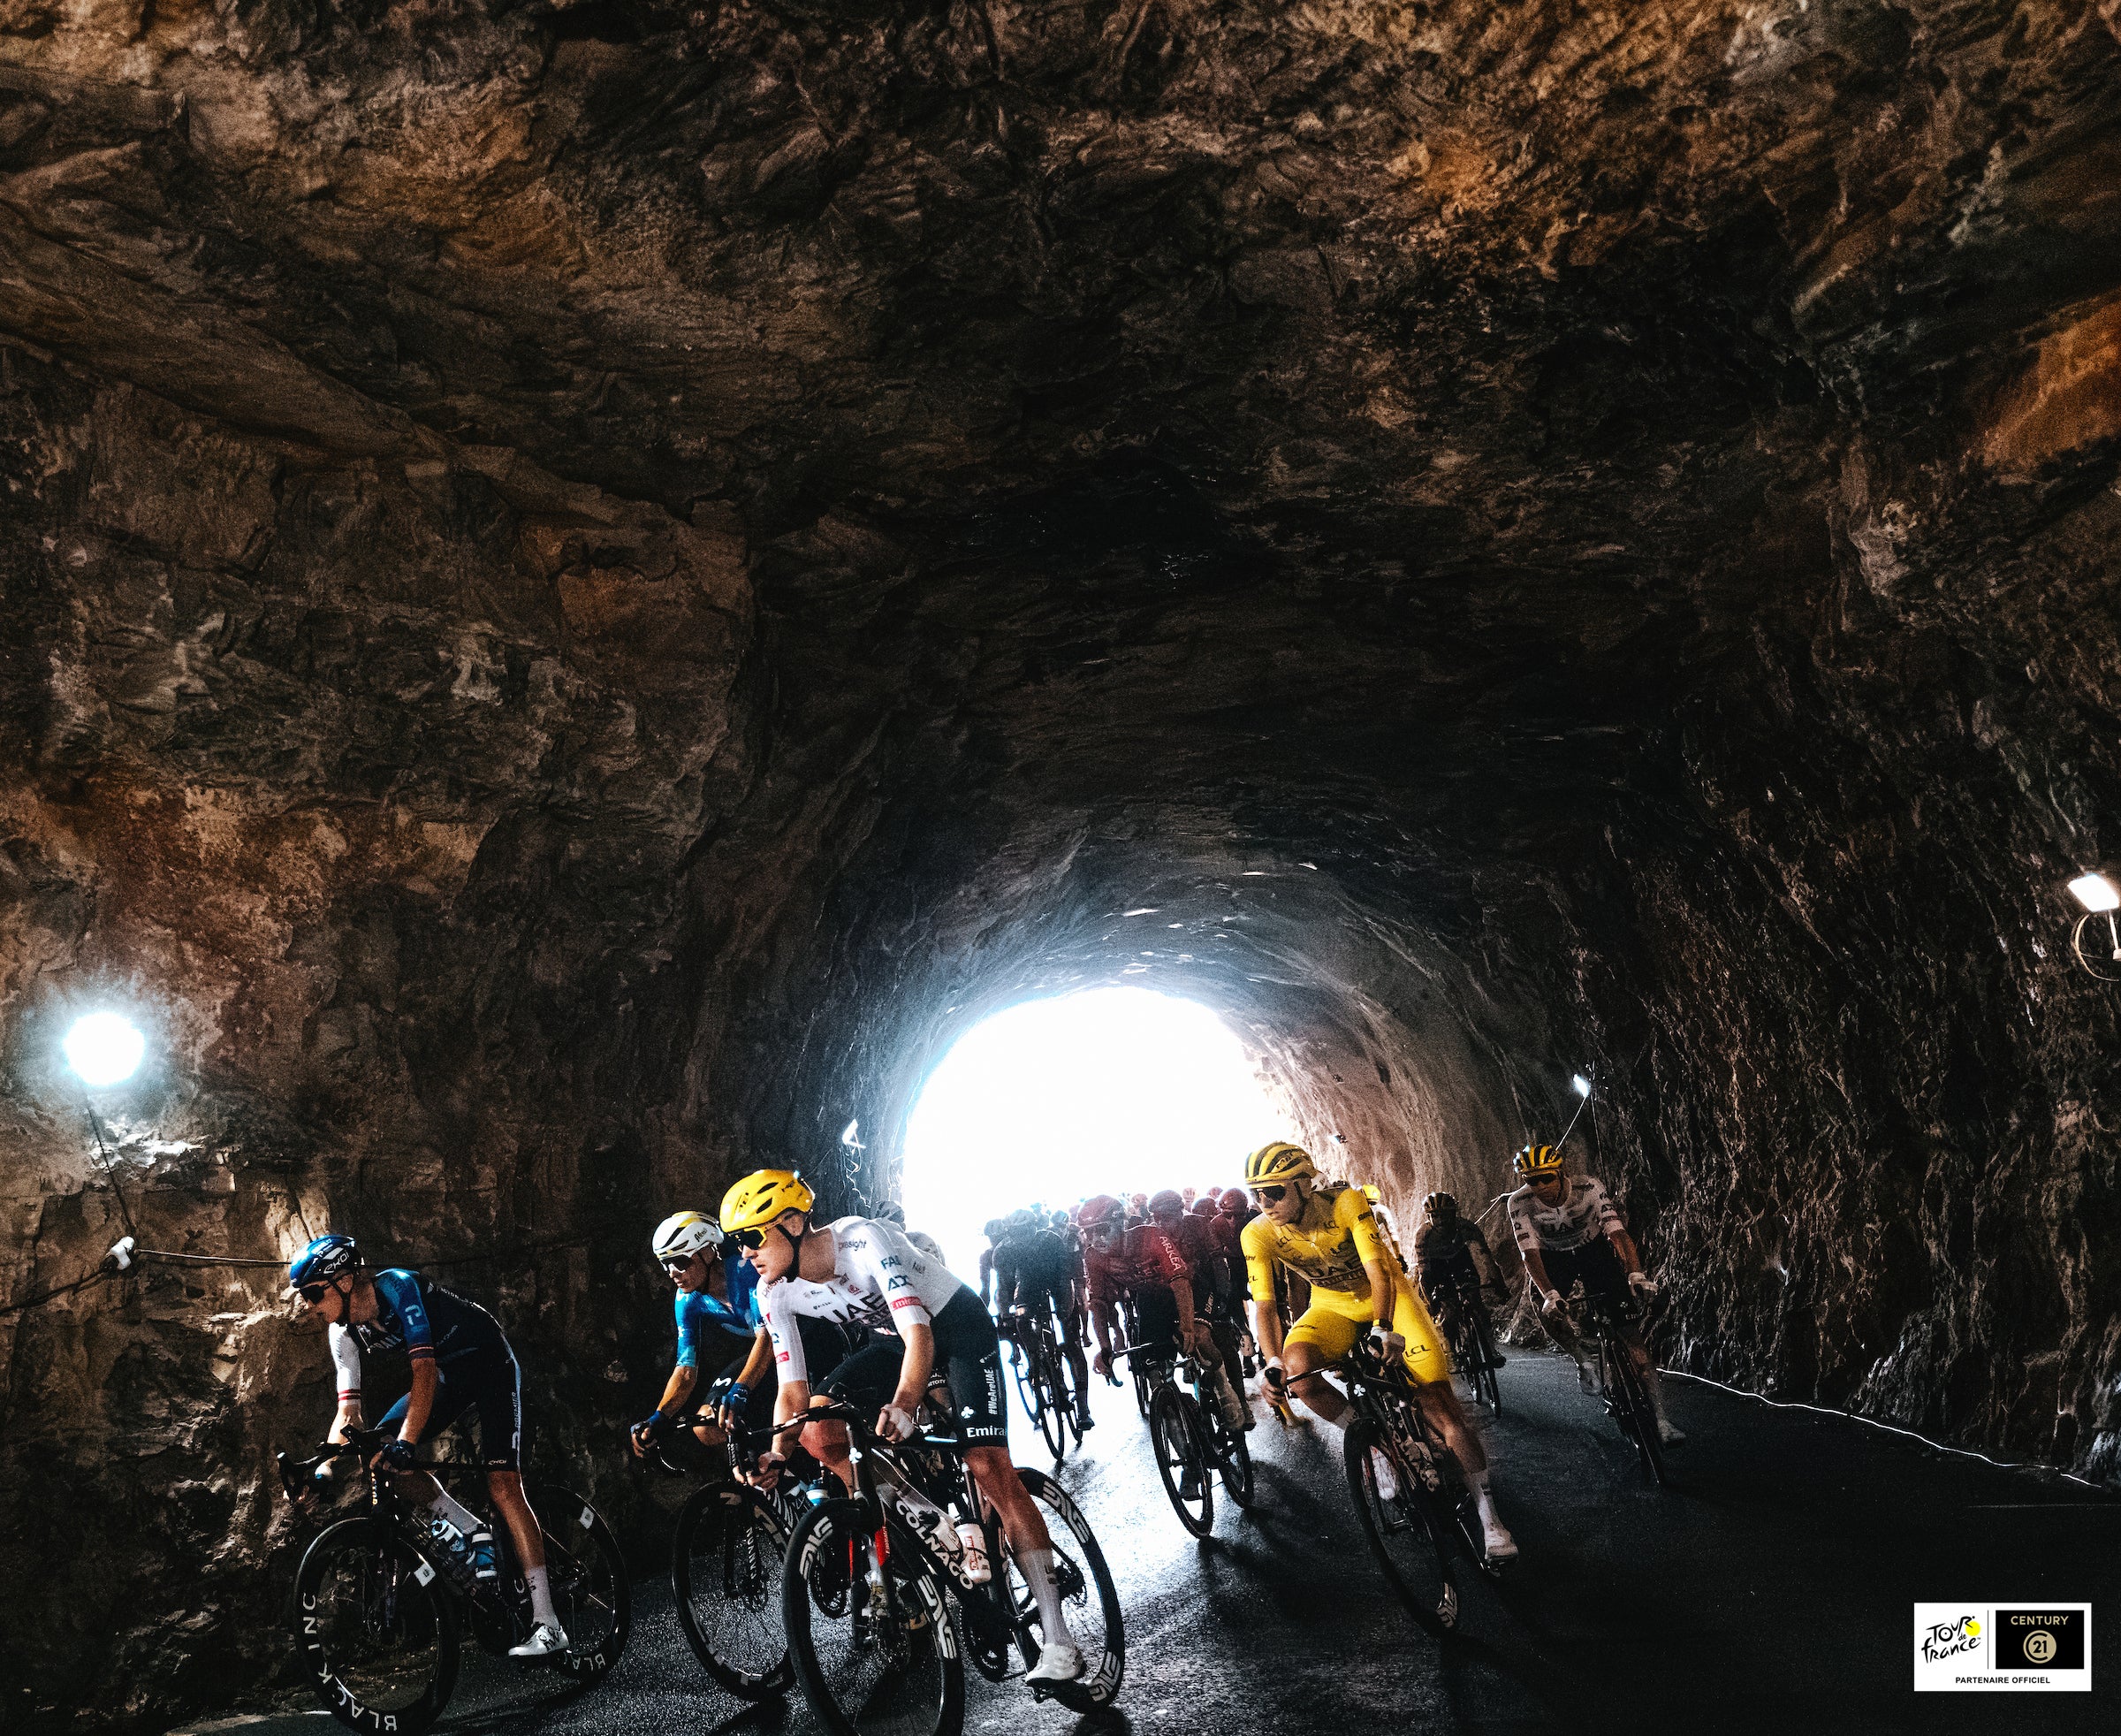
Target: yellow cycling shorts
point(1337, 1318)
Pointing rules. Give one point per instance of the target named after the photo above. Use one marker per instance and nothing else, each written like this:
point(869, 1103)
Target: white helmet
point(683, 1234)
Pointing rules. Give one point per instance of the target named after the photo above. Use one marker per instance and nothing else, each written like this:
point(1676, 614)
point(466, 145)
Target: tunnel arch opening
point(1115, 1089)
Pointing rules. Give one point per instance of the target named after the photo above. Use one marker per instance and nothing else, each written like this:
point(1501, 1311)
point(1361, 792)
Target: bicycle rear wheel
point(1409, 1537)
point(1054, 1419)
point(1184, 1458)
point(725, 1563)
point(1089, 1599)
point(867, 1669)
point(1234, 1454)
point(377, 1633)
point(591, 1593)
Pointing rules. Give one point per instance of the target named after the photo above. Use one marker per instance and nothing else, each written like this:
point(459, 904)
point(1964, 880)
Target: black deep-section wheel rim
point(362, 1575)
point(873, 1692)
point(1410, 1538)
point(1179, 1446)
point(1077, 1557)
point(726, 1552)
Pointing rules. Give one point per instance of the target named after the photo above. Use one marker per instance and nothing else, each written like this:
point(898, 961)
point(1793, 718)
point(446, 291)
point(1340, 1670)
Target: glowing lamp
point(1580, 1085)
point(104, 1049)
point(2096, 893)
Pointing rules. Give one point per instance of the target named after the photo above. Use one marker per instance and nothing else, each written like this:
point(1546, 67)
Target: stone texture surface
point(582, 587)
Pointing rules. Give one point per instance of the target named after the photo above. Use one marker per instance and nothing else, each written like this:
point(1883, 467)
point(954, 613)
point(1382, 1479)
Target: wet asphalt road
point(1771, 1591)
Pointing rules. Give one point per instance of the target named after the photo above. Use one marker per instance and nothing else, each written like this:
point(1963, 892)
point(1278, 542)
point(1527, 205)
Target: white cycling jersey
point(1582, 1215)
point(880, 1279)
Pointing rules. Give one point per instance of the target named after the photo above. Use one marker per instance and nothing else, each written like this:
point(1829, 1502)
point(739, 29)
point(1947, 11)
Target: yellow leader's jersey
point(1326, 1246)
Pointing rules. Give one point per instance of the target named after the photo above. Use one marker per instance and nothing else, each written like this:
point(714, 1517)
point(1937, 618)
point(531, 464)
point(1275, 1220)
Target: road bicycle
point(1419, 1516)
point(879, 1623)
point(1045, 1382)
point(1464, 1315)
point(379, 1606)
point(1603, 1324)
point(1193, 1443)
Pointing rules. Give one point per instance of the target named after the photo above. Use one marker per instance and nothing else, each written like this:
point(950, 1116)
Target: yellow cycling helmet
point(1278, 1161)
point(1533, 1161)
point(1371, 1193)
point(762, 1196)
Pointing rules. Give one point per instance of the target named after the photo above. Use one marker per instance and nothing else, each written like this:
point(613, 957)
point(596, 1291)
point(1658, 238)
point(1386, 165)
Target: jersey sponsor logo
point(784, 1356)
point(906, 1302)
point(891, 1265)
point(900, 1283)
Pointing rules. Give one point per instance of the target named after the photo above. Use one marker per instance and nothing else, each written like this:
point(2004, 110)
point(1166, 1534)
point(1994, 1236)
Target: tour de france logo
point(1949, 1638)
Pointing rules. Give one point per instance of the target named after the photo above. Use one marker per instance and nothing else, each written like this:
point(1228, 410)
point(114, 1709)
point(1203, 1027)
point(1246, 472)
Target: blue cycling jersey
point(741, 1277)
point(426, 1320)
point(696, 1310)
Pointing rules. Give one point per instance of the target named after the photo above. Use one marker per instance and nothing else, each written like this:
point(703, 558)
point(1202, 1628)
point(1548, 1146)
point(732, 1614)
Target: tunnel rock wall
point(585, 586)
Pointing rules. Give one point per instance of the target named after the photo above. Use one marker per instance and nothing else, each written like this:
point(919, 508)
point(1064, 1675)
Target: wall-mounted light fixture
point(104, 1049)
point(2099, 897)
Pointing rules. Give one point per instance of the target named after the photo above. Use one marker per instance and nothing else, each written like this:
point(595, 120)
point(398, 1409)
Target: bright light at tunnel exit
point(1108, 1091)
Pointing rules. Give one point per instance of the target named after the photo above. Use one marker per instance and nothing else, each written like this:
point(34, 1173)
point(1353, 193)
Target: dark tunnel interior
point(583, 589)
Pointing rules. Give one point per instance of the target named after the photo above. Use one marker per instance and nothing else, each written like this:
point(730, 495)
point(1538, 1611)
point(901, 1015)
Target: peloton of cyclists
point(460, 1362)
point(1569, 1230)
point(865, 1271)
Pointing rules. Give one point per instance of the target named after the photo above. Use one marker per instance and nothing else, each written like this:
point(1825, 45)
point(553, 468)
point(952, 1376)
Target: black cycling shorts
point(967, 1354)
point(1595, 1263)
point(1155, 1316)
point(488, 1382)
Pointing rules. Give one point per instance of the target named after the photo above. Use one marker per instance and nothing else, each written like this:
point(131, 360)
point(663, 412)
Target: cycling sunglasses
point(680, 1263)
point(1272, 1191)
point(312, 1294)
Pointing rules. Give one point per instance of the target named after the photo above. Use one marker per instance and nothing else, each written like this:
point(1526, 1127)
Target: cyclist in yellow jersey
point(1327, 1234)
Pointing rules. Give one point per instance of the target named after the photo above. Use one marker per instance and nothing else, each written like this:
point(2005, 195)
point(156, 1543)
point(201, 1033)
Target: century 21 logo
point(1949, 1638)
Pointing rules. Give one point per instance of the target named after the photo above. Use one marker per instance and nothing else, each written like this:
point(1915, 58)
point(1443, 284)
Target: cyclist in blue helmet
point(460, 1362)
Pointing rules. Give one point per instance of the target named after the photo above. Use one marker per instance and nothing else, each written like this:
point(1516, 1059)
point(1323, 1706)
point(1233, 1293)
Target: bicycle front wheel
point(1088, 1600)
point(591, 1593)
point(876, 1651)
point(1183, 1458)
point(1637, 1416)
point(1237, 1461)
point(377, 1633)
point(1411, 1538)
point(725, 1563)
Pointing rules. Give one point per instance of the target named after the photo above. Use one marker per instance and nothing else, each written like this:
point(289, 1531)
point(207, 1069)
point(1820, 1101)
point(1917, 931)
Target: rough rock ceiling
point(582, 586)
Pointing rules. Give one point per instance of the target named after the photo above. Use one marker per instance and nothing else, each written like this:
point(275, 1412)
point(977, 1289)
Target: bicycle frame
point(867, 1449)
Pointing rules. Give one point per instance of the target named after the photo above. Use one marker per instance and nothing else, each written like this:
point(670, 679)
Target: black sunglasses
point(748, 1239)
point(312, 1293)
point(680, 1263)
point(1270, 1194)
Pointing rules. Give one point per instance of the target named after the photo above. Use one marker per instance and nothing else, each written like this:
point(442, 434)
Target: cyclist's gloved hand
point(735, 1401)
point(648, 1427)
point(1390, 1345)
point(1643, 1283)
point(397, 1456)
point(1273, 1376)
point(893, 1424)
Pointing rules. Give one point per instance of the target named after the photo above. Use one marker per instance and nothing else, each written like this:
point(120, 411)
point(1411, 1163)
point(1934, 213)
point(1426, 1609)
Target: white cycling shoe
point(545, 1638)
point(1056, 1663)
point(1670, 1435)
point(1500, 1544)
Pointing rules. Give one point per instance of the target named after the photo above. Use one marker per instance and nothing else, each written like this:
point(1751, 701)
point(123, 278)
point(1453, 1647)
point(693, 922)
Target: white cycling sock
point(541, 1596)
point(1036, 1566)
point(1656, 1387)
point(1483, 1496)
point(456, 1512)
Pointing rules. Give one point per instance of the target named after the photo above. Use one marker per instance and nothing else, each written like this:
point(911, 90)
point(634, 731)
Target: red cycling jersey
point(1143, 1258)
